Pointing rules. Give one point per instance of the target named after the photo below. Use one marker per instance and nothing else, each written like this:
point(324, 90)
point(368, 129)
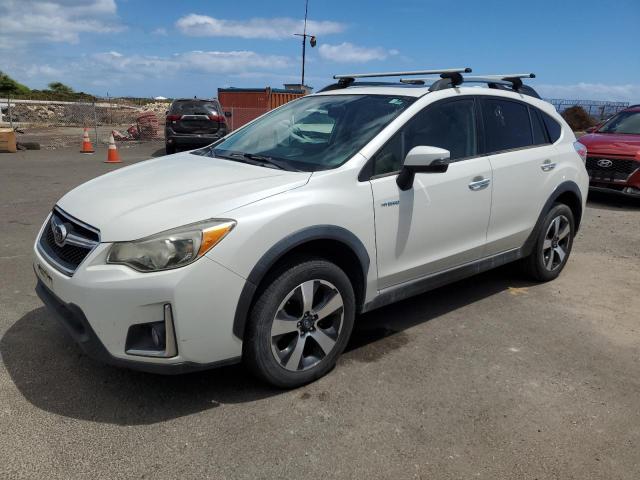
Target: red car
point(613, 153)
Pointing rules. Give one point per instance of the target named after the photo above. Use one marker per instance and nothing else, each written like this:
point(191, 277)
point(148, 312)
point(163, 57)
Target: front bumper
point(99, 303)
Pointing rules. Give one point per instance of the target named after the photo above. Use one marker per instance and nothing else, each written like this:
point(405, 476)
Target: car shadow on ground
point(613, 201)
point(52, 373)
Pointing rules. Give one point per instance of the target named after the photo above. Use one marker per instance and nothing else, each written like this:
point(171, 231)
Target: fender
point(276, 252)
point(564, 187)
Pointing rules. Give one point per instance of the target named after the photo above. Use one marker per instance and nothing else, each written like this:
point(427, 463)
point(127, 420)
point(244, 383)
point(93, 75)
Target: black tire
point(170, 149)
point(539, 265)
point(286, 283)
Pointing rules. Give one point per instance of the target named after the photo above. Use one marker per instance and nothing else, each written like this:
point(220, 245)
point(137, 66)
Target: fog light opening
point(154, 339)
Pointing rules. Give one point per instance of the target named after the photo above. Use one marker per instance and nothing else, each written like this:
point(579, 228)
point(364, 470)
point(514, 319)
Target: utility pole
point(304, 35)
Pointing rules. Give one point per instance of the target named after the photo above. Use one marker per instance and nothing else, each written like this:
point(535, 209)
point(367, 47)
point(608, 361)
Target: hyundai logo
point(59, 232)
point(604, 163)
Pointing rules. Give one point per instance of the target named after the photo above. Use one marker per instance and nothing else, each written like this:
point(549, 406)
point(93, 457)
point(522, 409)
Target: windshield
point(315, 132)
point(624, 122)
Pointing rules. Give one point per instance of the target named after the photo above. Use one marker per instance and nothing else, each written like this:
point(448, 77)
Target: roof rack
point(346, 80)
point(511, 81)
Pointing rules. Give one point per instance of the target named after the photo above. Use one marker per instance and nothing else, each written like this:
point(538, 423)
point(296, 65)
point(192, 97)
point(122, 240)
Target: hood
point(168, 192)
point(611, 143)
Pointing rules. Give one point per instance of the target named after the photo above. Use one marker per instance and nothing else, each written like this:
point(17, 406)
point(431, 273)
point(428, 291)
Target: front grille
point(620, 169)
point(79, 242)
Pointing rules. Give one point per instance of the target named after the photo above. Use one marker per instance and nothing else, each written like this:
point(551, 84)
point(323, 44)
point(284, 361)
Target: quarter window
point(506, 124)
point(449, 125)
point(553, 127)
point(539, 134)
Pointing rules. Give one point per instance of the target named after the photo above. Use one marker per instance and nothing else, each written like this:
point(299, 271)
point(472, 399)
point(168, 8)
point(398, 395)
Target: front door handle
point(479, 183)
point(547, 165)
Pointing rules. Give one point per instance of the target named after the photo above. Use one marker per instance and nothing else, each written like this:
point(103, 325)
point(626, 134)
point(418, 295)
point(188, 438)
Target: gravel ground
point(493, 377)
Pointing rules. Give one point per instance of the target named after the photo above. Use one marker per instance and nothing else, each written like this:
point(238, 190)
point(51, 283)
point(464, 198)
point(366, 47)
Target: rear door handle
point(547, 166)
point(479, 183)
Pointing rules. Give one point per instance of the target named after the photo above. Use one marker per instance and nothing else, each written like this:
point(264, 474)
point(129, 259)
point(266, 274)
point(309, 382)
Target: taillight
point(173, 118)
point(216, 118)
point(582, 150)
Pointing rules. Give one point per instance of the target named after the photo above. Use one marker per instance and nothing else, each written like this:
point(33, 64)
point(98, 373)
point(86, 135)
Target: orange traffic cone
point(86, 143)
point(112, 153)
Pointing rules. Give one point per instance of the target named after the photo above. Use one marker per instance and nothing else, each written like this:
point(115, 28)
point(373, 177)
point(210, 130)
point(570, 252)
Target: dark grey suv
point(193, 123)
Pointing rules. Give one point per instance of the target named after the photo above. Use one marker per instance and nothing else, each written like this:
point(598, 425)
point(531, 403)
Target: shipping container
point(245, 104)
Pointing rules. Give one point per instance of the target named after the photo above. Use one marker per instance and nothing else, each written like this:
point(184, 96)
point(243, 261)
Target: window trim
point(366, 173)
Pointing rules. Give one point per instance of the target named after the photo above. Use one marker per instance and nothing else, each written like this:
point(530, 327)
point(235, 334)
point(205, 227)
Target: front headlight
point(171, 249)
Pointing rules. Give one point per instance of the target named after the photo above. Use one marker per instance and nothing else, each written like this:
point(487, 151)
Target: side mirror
point(227, 114)
point(422, 159)
point(590, 129)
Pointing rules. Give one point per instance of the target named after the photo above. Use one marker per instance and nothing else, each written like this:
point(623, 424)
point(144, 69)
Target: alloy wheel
point(307, 325)
point(557, 242)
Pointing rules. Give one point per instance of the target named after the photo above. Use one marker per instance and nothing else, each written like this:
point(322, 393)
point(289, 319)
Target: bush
point(8, 86)
point(578, 119)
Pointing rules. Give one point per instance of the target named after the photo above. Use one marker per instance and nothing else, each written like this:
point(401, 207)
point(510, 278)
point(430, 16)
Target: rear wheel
point(553, 245)
point(300, 324)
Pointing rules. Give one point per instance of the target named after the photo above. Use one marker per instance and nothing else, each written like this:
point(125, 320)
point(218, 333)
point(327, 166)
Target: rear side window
point(539, 132)
point(553, 128)
point(449, 125)
point(507, 125)
point(194, 107)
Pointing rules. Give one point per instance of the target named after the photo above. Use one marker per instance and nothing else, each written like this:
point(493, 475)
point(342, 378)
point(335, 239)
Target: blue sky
point(579, 49)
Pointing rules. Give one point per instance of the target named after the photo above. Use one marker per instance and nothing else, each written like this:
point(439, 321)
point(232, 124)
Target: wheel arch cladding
point(334, 243)
point(568, 193)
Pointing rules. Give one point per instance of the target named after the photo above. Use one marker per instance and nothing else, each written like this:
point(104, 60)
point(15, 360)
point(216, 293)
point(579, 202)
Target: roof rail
point(511, 82)
point(399, 74)
point(346, 80)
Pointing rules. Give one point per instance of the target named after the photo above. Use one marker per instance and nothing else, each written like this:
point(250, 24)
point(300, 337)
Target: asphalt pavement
point(493, 377)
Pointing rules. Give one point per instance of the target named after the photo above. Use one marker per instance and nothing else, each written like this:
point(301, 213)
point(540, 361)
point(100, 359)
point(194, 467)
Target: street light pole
point(304, 36)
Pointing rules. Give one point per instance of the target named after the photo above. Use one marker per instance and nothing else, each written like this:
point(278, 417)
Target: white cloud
point(160, 31)
point(591, 91)
point(237, 61)
point(349, 53)
point(261, 28)
point(31, 21)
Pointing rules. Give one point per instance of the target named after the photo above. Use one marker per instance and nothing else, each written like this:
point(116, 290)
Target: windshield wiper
point(265, 160)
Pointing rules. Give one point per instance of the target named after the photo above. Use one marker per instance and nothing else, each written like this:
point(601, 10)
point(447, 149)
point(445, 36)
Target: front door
point(441, 222)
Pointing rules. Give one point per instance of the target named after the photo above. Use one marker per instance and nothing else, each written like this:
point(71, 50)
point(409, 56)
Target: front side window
point(623, 123)
point(314, 133)
point(448, 125)
point(506, 125)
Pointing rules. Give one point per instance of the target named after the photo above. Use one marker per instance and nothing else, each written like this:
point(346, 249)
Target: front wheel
point(553, 245)
point(300, 323)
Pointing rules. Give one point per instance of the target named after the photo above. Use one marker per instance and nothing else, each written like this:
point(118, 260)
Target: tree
point(9, 86)
point(59, 87)
point(578, 118)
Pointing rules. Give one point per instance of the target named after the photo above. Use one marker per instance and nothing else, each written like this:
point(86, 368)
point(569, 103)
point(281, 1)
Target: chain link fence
point(598, 110)
point(129, 121)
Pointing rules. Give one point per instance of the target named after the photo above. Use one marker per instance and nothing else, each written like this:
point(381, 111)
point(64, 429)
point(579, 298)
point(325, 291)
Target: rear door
point(194, 116)
point(523, 160)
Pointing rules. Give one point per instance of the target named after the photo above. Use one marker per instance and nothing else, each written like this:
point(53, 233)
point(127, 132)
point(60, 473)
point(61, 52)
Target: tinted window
point(506, 125)
point(194, 107)
point(553, 127)
point(539, 133)
point(449, 125)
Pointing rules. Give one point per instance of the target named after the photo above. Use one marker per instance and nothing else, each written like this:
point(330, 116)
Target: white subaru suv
point(264, 246)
